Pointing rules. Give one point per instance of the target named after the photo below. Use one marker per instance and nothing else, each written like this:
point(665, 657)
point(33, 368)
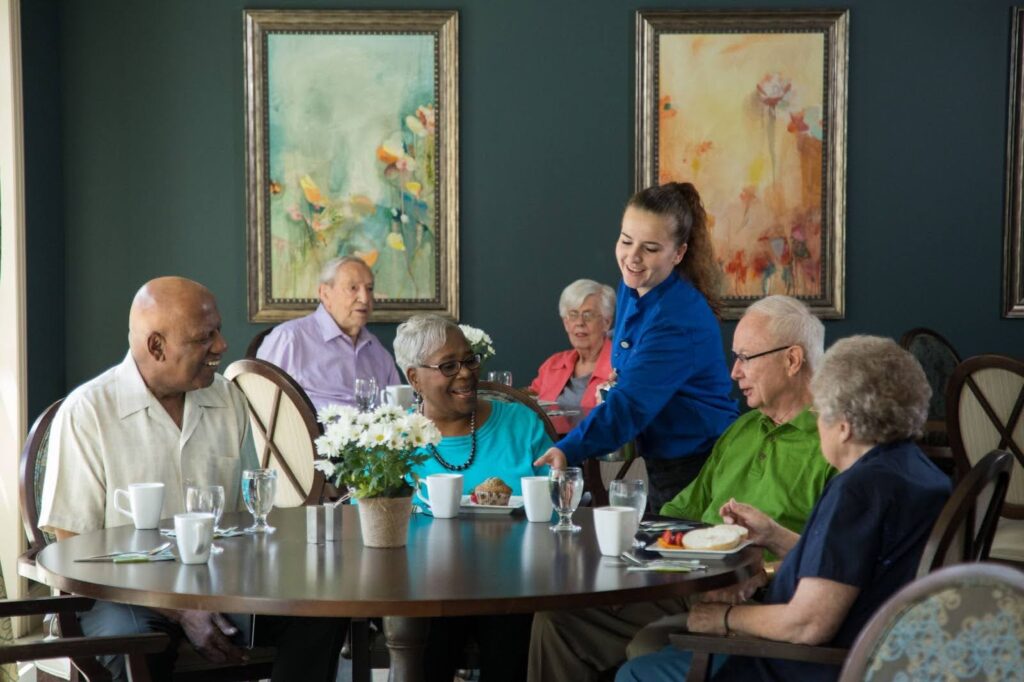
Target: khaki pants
point(576, 646)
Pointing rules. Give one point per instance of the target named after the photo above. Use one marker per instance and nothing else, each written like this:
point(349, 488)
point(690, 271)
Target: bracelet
point(769, 571)
point(725, 620)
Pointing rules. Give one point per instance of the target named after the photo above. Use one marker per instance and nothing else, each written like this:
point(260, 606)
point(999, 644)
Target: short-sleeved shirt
point(507, 444)
point(868, 531)
point(323, 360)
point(112, 431)
point(777, 468)
point(672, 391)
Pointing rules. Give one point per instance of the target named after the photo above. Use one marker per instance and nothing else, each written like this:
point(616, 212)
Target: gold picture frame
point(750, 106)
point(1013, 223)
point(352, 149)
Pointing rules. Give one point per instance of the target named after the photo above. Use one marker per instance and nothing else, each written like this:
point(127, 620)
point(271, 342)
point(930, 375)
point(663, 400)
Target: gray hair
point(419, 337)
point(331, 267)
point(573, 296)
point(876, 386)
point(791, 321)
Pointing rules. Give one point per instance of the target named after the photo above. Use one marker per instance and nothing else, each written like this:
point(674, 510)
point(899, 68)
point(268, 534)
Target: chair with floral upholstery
point(959, 623)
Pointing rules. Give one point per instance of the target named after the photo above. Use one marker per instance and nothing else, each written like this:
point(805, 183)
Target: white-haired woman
point(865, 535)
point(571, 377)
point(480, 439)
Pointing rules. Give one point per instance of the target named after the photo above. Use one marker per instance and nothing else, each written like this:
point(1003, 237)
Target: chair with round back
point(938, 358)
point(284, 428)
point(959, 623)
point(984, 412)
point(257, 341)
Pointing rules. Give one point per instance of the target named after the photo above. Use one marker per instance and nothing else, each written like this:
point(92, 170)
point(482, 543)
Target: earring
point(417, 402)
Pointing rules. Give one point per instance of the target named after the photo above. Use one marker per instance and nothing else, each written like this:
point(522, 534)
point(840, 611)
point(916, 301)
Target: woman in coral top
point(571, 377)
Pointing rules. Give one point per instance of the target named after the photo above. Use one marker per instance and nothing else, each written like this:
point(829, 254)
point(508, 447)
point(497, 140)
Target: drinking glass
point(258, 489)
point(209, 499)
point(566, 486)
point(366, 393)
point(500, 377)
point(623, 493)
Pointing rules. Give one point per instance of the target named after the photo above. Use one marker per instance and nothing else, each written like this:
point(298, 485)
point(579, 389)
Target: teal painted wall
point(150, 143)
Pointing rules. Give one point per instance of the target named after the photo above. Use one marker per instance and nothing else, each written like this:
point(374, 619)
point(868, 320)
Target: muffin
point(493, 491)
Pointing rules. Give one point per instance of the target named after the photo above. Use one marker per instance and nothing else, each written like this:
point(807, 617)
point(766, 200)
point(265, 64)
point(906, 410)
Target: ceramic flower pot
point(384, 521)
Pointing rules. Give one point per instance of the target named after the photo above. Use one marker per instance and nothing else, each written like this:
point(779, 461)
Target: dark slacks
point(666, 477)
point(504, 643)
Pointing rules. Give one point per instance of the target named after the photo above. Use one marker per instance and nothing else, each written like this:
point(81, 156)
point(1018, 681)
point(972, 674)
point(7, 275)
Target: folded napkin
point(132, 557)
point(232, 532)
point(667, 566)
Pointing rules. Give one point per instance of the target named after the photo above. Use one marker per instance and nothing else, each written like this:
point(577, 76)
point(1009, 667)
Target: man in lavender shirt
point(327, 351)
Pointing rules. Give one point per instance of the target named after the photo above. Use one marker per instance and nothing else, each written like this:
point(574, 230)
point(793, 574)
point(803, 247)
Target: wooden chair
point(284, 427)
point(955, 538)
point(983, 410)
point(190, 667)
point(938, 358)
point(257, 341)
point(134, 647)
point(931, 628)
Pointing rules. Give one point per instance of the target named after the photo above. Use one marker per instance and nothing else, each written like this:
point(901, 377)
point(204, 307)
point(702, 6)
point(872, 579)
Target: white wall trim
point(13, 361)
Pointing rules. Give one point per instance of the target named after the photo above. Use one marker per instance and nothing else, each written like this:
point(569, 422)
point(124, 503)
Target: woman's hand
point(707, 619)
point(763, 530)
point(554, 457)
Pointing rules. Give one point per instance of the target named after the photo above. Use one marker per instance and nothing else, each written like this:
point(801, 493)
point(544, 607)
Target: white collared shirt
point(111, 431)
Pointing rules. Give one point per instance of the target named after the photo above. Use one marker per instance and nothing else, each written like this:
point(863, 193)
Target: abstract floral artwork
point(750, 107)
point(352, 152)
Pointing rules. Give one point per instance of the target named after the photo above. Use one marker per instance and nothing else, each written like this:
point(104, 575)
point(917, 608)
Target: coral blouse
point(557, 370)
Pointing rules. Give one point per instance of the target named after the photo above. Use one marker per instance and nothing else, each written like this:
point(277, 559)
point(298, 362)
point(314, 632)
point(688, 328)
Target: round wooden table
point(471, 565)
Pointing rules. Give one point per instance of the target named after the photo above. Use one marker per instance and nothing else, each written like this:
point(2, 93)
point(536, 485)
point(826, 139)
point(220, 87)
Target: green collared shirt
point(777, 468)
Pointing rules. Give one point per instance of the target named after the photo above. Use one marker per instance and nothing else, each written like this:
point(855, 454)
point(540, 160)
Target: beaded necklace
point(472, 449)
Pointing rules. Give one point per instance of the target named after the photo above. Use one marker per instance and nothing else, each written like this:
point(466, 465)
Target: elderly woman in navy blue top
point(865, 536)
point(672, 384)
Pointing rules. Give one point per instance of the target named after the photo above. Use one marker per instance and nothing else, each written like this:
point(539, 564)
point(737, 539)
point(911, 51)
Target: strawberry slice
point(472, 498)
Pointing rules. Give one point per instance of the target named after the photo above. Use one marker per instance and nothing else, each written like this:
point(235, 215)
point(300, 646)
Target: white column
point(13, 372)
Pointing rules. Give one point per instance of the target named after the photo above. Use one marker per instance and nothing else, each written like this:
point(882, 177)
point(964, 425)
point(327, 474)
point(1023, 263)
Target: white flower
point(324, 466)
point(331, 413)
point(375, 435)
point(479, 341)
point(389, 413)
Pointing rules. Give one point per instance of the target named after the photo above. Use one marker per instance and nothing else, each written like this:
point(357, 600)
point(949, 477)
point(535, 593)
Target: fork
point(151, 552)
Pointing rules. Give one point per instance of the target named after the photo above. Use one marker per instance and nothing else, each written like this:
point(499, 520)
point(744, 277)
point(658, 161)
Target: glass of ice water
point(500, 377)
point(566, 486)
point(258, 489)
point(209, 499)
point(365, 392)
point(623, 493)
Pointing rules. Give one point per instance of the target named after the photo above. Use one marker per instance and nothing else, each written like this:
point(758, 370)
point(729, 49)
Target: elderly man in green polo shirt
point(770, 458)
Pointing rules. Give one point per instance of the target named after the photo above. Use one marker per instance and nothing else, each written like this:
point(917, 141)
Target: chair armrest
point(760, 648)
point(74, 647)
point(31, 607)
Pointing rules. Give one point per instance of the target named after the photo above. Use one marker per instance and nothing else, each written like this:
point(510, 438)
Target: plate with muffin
point(493, 496)
point(703, 543)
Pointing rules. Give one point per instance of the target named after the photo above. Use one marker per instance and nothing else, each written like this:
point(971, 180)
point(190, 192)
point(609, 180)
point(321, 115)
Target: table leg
point(406, 639)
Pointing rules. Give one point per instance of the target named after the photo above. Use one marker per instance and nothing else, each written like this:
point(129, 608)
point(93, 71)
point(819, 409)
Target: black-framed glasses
point(453, 367)
point(743, 358)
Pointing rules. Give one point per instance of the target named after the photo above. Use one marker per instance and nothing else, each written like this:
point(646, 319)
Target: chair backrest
point(946, 625)
point(31, 471)
point(938, 358)
point(257, 341)
point(983, 411)
point(967, 523)
point(506, 394)
point(284, 427)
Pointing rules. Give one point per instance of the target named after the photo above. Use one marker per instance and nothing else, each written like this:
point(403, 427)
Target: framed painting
point(751, 108)
point(1013, 226)
point(352, 150)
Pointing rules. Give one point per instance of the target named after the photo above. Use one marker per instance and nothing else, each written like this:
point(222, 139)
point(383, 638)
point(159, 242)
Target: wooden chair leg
point(700, 667)
point(359, 642)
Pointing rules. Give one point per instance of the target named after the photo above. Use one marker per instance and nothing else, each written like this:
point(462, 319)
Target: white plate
point(694, 553)
point(469, 507)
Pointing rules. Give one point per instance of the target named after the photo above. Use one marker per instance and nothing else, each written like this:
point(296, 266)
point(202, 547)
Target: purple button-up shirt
point(323, 359)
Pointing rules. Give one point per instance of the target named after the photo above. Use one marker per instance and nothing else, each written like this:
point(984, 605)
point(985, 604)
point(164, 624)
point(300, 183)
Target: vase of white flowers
point(479, 341)
point(373, 455)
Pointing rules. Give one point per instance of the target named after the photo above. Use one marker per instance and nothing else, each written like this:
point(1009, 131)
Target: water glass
point(258, 489)
point(566, 487)
point(630, 493)
point(207, 499)
point(366, 393)
point(500, 377)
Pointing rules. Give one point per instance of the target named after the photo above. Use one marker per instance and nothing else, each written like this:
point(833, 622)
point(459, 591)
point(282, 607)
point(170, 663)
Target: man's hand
point(210, 633)
point(707, 619)
point(553, 457)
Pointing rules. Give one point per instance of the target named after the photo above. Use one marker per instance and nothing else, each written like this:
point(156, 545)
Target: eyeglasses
point(743, 358)
point(587, 316)
point(453, 367)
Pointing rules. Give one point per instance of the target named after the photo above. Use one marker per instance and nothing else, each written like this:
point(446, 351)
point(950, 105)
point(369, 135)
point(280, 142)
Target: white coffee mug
point(145, 503)
point(194, 533)
point(537, 498)
point(399, 395)
point(615, 527)
point(444, 494)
